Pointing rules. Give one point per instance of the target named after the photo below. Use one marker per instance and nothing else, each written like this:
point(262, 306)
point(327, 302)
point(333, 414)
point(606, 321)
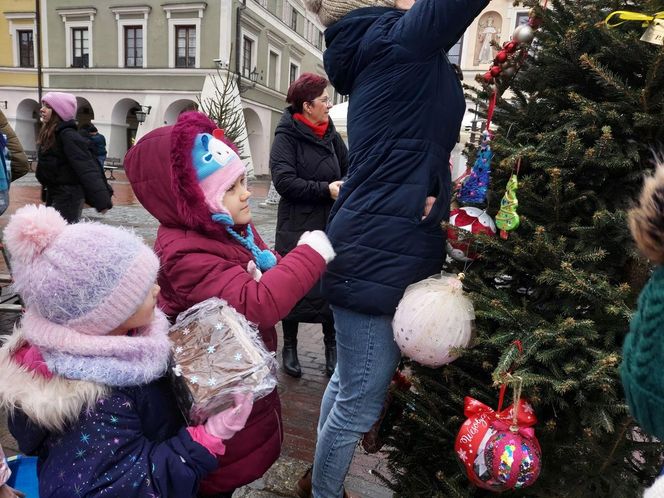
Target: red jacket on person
point(201, 260)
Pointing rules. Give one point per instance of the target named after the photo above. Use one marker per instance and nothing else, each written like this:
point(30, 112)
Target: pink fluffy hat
point(88, 276)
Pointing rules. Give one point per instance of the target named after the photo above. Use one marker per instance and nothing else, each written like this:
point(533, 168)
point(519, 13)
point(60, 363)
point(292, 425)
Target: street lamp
point(142, 113)
point(253, 78)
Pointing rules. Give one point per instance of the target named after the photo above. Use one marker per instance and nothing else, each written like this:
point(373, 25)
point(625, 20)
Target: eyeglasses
point(324, 100)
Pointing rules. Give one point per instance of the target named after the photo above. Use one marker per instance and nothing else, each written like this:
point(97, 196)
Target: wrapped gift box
point(217, 352)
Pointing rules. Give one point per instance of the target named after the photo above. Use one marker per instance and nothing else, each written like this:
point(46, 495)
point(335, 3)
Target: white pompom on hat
point(330, 11)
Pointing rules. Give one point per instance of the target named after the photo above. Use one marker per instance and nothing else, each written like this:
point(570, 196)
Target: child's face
point(143, 316)
point(236, 201)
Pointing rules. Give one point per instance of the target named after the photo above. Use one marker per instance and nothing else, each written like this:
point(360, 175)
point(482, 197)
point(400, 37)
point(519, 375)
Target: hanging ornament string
point(491, 109)
point(508, 377)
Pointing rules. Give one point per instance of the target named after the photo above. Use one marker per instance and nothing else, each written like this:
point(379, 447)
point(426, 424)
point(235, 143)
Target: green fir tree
point(584, 113)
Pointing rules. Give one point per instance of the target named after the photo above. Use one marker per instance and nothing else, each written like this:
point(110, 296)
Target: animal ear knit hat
point(79, 283)
point(643, 350)
point(218, 167)
point(330, 11)
point(64, 104)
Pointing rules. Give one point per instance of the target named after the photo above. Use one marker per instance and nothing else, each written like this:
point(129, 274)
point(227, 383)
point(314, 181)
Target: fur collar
point(49, 403)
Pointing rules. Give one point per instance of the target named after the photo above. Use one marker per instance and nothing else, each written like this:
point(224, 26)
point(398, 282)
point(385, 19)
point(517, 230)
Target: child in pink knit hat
point(190, 178)
point(82, 377)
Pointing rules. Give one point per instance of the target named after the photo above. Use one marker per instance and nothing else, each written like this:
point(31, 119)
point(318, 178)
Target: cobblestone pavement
point(300, 397)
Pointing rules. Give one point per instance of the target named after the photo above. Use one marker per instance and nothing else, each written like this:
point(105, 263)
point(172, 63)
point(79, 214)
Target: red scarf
point(319, 130)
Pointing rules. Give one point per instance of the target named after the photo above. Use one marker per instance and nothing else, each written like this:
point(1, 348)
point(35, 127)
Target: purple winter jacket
point(199, 260)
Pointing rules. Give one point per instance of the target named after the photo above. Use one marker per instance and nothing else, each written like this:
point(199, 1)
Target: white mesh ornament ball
point(433, 318)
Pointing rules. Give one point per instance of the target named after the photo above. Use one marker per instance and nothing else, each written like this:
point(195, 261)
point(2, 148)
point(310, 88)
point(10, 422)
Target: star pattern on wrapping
point(85, 438)
point(194, 379)
point(211, 349)
point(212, 382)
point(179, 350)
point(462, 455)
point(186, 331)
point(219, 326)
point(527, 407)
point(238, 356)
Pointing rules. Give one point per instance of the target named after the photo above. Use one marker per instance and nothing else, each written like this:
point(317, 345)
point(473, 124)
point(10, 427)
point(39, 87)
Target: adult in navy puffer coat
point(405, 110)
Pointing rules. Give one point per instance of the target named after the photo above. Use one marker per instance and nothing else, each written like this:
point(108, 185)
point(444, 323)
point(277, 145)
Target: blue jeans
point(367, 357)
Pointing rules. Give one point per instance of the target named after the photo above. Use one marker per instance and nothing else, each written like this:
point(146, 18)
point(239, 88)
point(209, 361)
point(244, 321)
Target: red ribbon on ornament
point(492, 108)
point(525, 415)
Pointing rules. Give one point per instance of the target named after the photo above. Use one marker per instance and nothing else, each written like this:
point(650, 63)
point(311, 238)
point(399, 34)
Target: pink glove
point(223, 425)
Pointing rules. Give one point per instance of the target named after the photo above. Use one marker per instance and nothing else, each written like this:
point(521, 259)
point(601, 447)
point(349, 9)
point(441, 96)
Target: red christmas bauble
point(511, 46)
point(501, 57)
point(496, 454)
point(488, 77)
point(495, 70)
point(473, 220)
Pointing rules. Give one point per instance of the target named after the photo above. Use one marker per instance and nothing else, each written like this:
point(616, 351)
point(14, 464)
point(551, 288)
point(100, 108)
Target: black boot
point(289, 354)
point(329, 337)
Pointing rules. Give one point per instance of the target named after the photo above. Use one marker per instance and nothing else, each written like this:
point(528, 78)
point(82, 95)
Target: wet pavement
point(300, 397)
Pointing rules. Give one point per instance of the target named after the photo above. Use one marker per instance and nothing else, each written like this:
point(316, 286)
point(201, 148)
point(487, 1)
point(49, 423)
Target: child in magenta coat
point(190, 178)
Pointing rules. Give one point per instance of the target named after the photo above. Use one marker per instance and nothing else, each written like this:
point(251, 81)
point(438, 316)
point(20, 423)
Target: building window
point(80, 47)
point(26, 49)
point(247, 52)
point(293, 73)
point(321, 40)
point(273, 70)
point(454, 54)
point(185, 46)
point(133, 42)
point(293, 19)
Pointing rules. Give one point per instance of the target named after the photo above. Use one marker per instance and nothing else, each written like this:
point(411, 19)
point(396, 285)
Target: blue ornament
point(473, 190)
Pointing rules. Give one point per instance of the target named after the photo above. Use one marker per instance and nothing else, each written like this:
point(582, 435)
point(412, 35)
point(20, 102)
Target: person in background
point(20, 164)
point(191, 179)
point(404, 114)
point(643, 350)
point(307, 161)
point(90, 132)
point(65, 166)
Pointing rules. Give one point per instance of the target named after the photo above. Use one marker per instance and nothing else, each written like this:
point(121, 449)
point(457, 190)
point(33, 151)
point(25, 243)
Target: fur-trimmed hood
point(51, 403)
point(163, 178)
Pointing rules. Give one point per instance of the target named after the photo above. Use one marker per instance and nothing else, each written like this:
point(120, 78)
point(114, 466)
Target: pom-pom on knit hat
point(643, 350)
point(64, 104)
point(88, 277)
point(330, 11)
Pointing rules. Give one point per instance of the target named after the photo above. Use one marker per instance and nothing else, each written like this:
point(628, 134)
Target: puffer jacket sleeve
point(19, 160)
point(107, 454)
point(87, 169)
point(341, 151)
point(264, 302)
point(434, 25)
point(283, 166)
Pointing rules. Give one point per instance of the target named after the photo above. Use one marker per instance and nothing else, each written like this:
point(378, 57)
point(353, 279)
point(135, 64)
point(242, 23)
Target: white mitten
point(253, 270)
point(319, 242)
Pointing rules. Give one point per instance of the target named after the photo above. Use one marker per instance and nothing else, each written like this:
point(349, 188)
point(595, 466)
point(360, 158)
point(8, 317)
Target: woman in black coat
point(65, 165)
point(307, 161)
